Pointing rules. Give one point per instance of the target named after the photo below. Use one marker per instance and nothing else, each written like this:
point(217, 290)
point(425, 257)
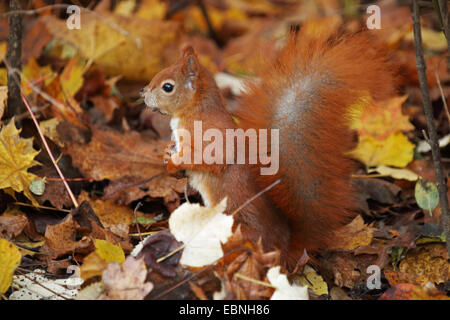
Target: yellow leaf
point(404, 174)
point(380, 119)
point(3, 77)
point(432, 40)
point(9, 260)
point(152, 10)
point(97, 261)
point(48, 128)
point(125, 8)
point(108, 251)
point(72, 77)
point(16, 157)
point(143, 42)
point(314, 281)
point(32, 72)
point(3, 98)
point(3, 48)
point(395, 150)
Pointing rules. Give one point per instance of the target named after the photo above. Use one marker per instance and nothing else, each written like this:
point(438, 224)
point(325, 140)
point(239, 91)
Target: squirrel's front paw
point(169, 151)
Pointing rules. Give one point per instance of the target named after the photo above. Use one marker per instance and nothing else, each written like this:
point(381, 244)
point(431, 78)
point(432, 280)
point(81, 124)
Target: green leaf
point(427, 195)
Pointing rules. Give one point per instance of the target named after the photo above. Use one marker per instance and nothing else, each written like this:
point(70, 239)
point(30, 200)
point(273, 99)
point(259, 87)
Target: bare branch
point(428, 109)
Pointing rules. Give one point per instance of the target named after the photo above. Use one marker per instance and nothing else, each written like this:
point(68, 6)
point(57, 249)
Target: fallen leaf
point(16, 157)
point(398, 174)
point(3, 99)
point(126, 282)
point(9, 260)
point(12, 222)
point(429, 261)
point(43, 288)
point(355, 234)
point(380, 119)
point(313, 280)
point(202, 230)
point(144, 45)
point(97, 261)
point(48, 128)
point(284, 290)
point(426, 194)
point(407, 291)
point(395, 150)
point(158, 246)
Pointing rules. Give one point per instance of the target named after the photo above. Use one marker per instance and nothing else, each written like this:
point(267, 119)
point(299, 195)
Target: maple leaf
point(16, 157)
point(380, 119)
point(395, 150)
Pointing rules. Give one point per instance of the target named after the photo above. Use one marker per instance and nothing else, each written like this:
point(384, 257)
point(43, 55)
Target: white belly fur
point(196, 179)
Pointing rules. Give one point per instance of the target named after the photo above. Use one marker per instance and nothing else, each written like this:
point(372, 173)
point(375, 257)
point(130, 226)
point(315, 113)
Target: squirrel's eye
point(167, 87)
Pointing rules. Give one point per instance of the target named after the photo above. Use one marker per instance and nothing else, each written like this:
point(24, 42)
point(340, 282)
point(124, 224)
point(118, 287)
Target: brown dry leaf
point(36, 37)
point(60, 239)
point(114, 155)
point(144, 46)
point(254, 266)
point(133, 163)
point(111, 215)
point(354, 235)
point(395, 278)
point(429, 262)
point(346, 267)
point(55, 191)
point(126, 282)
point(12, 222)
point(407, 291)
point(129, 189)
point(106, 105)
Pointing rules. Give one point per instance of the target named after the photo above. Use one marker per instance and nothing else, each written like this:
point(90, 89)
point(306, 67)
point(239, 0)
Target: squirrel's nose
point(142, 92)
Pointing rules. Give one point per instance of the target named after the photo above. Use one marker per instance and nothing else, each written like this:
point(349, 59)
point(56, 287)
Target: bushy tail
point(306, 94)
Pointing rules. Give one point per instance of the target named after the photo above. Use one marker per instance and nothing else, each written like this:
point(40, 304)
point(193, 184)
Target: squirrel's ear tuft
point(187, 51)
point(191, 69)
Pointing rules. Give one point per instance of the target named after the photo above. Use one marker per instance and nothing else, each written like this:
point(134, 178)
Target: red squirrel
point(306, 93)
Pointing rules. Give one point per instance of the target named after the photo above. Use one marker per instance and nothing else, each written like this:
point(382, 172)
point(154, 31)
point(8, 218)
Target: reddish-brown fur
point(306, 94)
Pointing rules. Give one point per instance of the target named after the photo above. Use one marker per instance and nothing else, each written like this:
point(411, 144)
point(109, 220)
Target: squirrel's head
point(174, 87)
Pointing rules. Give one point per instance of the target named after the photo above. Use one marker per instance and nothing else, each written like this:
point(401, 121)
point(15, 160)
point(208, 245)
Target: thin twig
point(441, 8)
point(444, 100)
point(171, 253)
point(74, 200)
point(262, 283)
point(255, 196)
point(421, 68)
point(40, 207)
point(135, 218)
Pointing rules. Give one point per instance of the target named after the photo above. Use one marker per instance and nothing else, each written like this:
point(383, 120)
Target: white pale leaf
point(284, 290)
point(202, 230)
point(30, 290)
